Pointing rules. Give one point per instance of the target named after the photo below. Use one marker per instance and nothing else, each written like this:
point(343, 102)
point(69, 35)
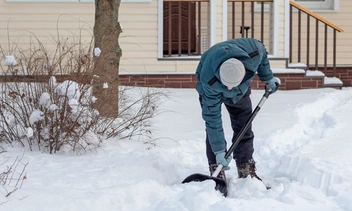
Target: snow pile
point(302, 150)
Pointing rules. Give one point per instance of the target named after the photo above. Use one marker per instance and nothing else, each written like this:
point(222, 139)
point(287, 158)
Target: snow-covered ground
point(302, 148)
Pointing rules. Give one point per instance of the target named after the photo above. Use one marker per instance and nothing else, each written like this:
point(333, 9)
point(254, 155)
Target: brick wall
point(288, 81)
point(343, 73)
point(291, 81)
point(159, 80)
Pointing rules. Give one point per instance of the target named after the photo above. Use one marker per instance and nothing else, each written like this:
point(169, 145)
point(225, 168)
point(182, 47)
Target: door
point(179, 27)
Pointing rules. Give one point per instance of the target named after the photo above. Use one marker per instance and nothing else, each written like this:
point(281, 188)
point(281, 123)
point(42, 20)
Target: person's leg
point(239, 114)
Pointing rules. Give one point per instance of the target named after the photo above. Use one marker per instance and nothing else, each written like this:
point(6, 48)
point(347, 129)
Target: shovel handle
point(217, 171)
point(247, 125)
point(242, 132)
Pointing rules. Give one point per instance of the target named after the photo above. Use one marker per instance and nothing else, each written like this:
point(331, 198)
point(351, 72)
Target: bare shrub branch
point(134, 114)
point(11, 179)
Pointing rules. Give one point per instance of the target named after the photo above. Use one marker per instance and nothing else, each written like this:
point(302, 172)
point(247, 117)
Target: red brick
point(188, 85)
point(310, 84)
point(173, 85)
point(293, 85)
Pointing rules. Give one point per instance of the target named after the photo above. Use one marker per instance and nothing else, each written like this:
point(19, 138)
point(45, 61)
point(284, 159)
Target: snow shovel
point(221, 184)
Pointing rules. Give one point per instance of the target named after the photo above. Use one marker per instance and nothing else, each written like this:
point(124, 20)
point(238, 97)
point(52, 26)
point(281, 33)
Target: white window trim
point(64, 1)
point(38, 1)
point(258, 6)
point(326, 6)
point(212, 27)
point(160, 28)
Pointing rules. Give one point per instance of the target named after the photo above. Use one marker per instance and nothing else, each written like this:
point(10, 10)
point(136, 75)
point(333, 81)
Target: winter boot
point(212, 168)
point(247, 168)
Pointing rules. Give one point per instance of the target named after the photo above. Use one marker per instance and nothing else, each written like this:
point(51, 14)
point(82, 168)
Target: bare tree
point(106, 70)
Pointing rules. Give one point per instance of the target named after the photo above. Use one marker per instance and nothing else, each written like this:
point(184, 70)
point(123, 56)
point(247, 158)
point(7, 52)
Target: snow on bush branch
point(48, 116)
point(63, 117)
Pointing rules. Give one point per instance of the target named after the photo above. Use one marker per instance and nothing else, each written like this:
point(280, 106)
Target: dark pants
point(239, 114)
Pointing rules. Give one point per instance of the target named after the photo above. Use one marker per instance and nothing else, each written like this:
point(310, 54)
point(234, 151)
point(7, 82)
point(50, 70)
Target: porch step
point(314, 74)
point(326, 81)
point(297, 66)
point(332, 82)
point(296, 78)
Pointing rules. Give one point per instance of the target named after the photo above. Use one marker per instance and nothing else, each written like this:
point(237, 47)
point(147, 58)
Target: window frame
point(258, 6)
point(41, 1)
point(327, 5)
point(65, 1)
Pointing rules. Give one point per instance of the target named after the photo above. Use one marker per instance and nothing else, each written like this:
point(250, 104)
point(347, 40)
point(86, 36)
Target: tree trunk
point(106, 66)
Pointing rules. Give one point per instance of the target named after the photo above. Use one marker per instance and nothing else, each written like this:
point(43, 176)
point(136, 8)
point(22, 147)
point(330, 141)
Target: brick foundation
point(289, 81)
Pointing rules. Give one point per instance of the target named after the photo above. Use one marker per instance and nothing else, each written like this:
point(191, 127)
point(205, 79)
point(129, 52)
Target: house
point(308, 42)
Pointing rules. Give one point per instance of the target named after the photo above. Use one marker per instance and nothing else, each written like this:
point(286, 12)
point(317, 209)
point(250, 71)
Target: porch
point(307, 58)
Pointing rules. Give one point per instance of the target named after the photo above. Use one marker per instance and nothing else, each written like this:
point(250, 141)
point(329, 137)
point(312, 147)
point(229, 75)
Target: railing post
point(291, 23)
point(316, 43)
point(179, 28)
point(325, 46)
point(252, 21)
point(170, 27)
point(233, 19)
point(242, 25)
point(308, 40)
point(334, 54)
point(262, 22)
point(299, 35)
point(189, 31)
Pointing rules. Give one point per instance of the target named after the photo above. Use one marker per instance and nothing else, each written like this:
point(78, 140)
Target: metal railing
point(252, 18)
point(249, 18)
point(301, 38)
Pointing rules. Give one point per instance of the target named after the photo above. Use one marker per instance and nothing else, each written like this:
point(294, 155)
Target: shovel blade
point(221, 184)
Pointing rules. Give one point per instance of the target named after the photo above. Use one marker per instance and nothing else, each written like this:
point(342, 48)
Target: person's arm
point(264, 70)
point(211, 113)
point(265, 74)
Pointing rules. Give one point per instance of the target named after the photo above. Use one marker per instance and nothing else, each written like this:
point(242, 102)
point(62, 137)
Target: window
point(60, 1)
point(52, 1)
point(317, 5)
point(185, 28)
point(258, 6)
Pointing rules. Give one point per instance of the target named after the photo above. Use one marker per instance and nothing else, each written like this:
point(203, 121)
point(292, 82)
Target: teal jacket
point(253, 55)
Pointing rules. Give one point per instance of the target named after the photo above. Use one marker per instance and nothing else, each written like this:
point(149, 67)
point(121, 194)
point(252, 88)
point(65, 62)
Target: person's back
point(250, 52)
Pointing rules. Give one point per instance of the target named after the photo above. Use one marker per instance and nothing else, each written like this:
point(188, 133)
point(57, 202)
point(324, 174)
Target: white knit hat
point(232, 72)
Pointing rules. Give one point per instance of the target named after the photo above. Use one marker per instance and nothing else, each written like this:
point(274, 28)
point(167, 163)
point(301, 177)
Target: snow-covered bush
point(53, 116)
point(46, 117)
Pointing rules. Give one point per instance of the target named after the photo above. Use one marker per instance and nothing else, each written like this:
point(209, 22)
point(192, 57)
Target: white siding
point(24, 21)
